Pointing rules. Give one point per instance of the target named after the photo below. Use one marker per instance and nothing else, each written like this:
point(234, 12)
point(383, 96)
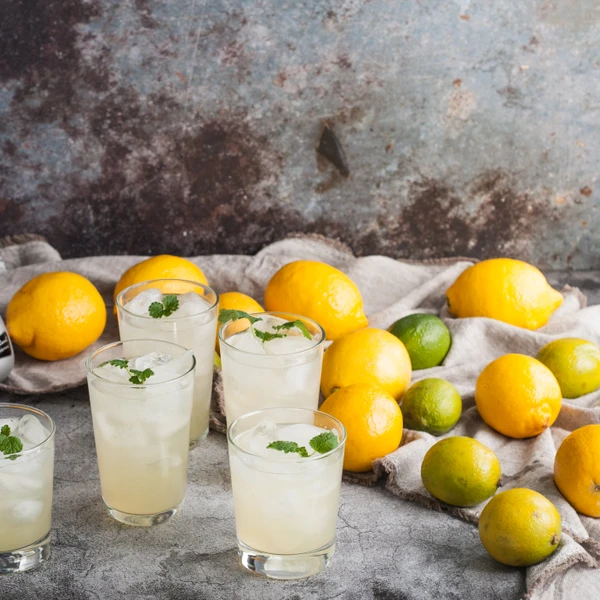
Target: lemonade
point(141, 410)
point(286, 472)
point(191, 323)
point(270, 364)
point(25, 488)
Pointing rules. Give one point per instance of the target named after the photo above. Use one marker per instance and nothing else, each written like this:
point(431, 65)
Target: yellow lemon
point(575, 364)
point(318, 291)
point(56, 315)
point(163, 266)
point(504, 289)
point(577, 470)
point(238, 301)
point(520, 527)
point(518, 396)
point(461, 471)
point(370, 355)
point(373, 423)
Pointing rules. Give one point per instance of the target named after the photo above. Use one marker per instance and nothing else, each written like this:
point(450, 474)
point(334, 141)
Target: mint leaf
point(324, 442)
point(289, 447)
point(265, 336)
point(139, 377)
point(116, 362)
point(5, 430)
point(229, 314)
point(156, 310)
point(165, 308)
point(297, 324)
point(9, 444)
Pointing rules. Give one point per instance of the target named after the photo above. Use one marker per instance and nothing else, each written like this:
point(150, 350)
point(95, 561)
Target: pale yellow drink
point(192, 325)
point(142, 430)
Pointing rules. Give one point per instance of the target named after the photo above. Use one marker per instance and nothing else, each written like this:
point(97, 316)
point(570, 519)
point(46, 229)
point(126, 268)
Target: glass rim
point(274, 356)
point(303, 460)
point(121, 306)
point(88, 364)
point(30, 409)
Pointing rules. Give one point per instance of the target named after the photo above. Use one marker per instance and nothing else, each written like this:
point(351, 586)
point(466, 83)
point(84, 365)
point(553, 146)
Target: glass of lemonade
point(26, 476)
point(268, 364)
point(286, 474)
point(141, 405)
point(189, 318)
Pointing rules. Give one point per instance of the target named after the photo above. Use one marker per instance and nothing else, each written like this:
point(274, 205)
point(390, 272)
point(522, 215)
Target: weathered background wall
point(190, 126)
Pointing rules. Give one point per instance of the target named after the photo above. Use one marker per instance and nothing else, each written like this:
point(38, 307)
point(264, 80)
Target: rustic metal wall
point(191, 126)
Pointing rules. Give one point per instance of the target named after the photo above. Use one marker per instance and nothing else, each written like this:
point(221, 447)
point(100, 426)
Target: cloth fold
point(391, 289)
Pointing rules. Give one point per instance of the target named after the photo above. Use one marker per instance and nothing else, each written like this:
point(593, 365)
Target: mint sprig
point(10, 445)
point(136, 377)
point(165, 308)
point(297, 324)
point(229, 314)
point(321, 444)
point(264, 336)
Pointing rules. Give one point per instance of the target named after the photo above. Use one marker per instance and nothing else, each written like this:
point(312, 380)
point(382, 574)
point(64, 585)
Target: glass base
point(141, 520)
point(286, 566)
point(25, 559)
point(196, 441)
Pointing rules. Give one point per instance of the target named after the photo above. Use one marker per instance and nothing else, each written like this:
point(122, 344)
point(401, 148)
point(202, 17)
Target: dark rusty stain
point(330, 148)
point(586, 191)
point(465, 17)
point(145, 12)
point(457, 82)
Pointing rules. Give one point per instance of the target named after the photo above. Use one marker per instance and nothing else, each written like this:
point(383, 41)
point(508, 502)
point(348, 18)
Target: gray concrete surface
point(144, 126)
point(387, 549)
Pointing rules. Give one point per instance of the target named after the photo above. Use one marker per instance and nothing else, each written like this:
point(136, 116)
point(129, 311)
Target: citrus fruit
point(163, 266)
point(432, 405)
point(461, 471)
point(575, 364)
point(370, 355)
point(238, 301)
point(56, 315)
point(318, 291)
point(373, 423)
point(504, 289)
point(520, 527)
point(518, 396)
point(426, 338)
point(577, 470)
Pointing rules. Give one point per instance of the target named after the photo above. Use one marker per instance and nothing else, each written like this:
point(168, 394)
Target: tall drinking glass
point(285, 504)
point(141, 410)
point(26, 479)
point(193, 324)
point(284, 371)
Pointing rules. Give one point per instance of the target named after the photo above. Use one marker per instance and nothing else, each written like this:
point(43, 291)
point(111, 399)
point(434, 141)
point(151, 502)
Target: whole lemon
point(575, 364)
point(56, 315)
point(461, 471)
point(432, 405)
point(163, 266)
point(371, 356)
point(577, 470)
point(426, 338)
point(520, 527)
point(238, 301)
point(318, 291)
point(504, 289)
point(518, 396)
point(373, 423)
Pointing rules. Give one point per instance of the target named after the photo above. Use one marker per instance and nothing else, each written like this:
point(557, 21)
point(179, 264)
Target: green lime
point(461, 471)
point(432, 405)
point(426, 338)
point(575, 363)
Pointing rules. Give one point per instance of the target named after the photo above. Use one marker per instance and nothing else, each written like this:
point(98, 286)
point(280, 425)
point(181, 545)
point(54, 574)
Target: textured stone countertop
point(387, 549)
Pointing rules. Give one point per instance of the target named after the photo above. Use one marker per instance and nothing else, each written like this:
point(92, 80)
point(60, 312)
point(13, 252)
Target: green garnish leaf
point(297, 324)
point(324, 442)
point(116, 362)
point(165, 308)
point(9, 444)
point(139, 377)
point(230, 314)
point(289, 447)
point(265, 336)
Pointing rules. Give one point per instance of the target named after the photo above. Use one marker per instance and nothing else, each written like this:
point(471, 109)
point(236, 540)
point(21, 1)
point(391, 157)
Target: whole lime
point(461, 471)
point(432, 405)
point(426, 338)
point(575, 363)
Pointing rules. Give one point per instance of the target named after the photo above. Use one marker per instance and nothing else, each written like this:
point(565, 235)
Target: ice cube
point(27, 511)
point(173, 368)
point(190, 304)
point(288, 345)
point(256, 439)
point(140, 304)
point(246, 342)
point(153, 360)
point(12, 423)
point(31, 431)
point(112, 373)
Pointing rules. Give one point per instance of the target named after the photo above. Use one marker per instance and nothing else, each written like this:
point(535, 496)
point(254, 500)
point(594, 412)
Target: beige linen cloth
point(391, 289)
